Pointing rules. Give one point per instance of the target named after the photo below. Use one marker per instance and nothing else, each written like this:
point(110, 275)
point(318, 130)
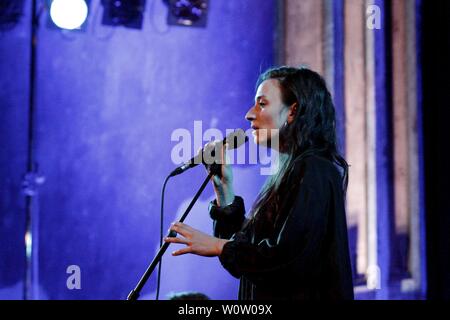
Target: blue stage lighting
point(190, 13)
point(69, 15)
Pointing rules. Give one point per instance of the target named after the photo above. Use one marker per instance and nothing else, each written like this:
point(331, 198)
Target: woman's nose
point(250, 116)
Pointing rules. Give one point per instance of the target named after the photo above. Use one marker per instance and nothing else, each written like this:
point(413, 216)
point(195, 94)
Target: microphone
point(234, 140)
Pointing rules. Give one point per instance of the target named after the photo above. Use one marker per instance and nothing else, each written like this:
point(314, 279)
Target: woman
point(294, 245)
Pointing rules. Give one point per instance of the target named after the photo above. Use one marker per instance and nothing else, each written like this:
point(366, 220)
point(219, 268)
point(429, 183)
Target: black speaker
point(127, 13)
point(189, 13)
point(10, 13)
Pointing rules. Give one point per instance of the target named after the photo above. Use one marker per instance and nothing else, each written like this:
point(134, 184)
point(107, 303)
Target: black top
point(305, 255)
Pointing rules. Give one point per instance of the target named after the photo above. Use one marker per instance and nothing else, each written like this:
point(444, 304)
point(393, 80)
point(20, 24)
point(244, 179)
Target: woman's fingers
point(181, 228)
point(208, 148)
point(181, 251)
point(196, 241)
point(223, 154)
point(177, 240)
point(186, 232)
point(214, 152)
point(220, 149)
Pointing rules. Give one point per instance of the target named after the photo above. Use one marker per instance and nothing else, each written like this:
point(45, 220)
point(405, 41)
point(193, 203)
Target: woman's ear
point(292, 112)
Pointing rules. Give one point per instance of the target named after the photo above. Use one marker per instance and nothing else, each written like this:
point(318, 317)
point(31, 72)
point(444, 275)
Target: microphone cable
point(161, 231)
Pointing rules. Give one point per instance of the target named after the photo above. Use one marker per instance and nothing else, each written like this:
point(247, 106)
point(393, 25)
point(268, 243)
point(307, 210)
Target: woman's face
point(268, 114)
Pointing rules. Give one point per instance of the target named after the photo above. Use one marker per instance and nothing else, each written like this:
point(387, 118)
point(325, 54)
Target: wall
point(108, 100)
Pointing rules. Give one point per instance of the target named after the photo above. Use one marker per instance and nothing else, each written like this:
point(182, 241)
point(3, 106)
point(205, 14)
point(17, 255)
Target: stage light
point(127, 13)
point(10, 14)
point(192, 13)
point(69, 15)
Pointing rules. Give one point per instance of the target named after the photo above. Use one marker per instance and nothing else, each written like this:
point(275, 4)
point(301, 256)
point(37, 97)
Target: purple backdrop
point(108, 100)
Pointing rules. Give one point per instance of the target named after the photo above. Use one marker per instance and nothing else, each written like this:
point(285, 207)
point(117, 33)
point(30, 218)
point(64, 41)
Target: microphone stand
point(134, 294)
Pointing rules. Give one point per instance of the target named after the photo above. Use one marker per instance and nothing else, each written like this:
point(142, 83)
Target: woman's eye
point(262, 104)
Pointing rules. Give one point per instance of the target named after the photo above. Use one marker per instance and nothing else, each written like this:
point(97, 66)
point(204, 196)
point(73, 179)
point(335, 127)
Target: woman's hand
point(196, 241)
point(223, 182)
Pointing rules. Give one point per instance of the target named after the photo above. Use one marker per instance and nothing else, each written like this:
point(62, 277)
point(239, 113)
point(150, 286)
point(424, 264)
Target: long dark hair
point(313, 131)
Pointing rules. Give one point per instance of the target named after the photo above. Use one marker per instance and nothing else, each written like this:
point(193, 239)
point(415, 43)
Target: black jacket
point(305, 256)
